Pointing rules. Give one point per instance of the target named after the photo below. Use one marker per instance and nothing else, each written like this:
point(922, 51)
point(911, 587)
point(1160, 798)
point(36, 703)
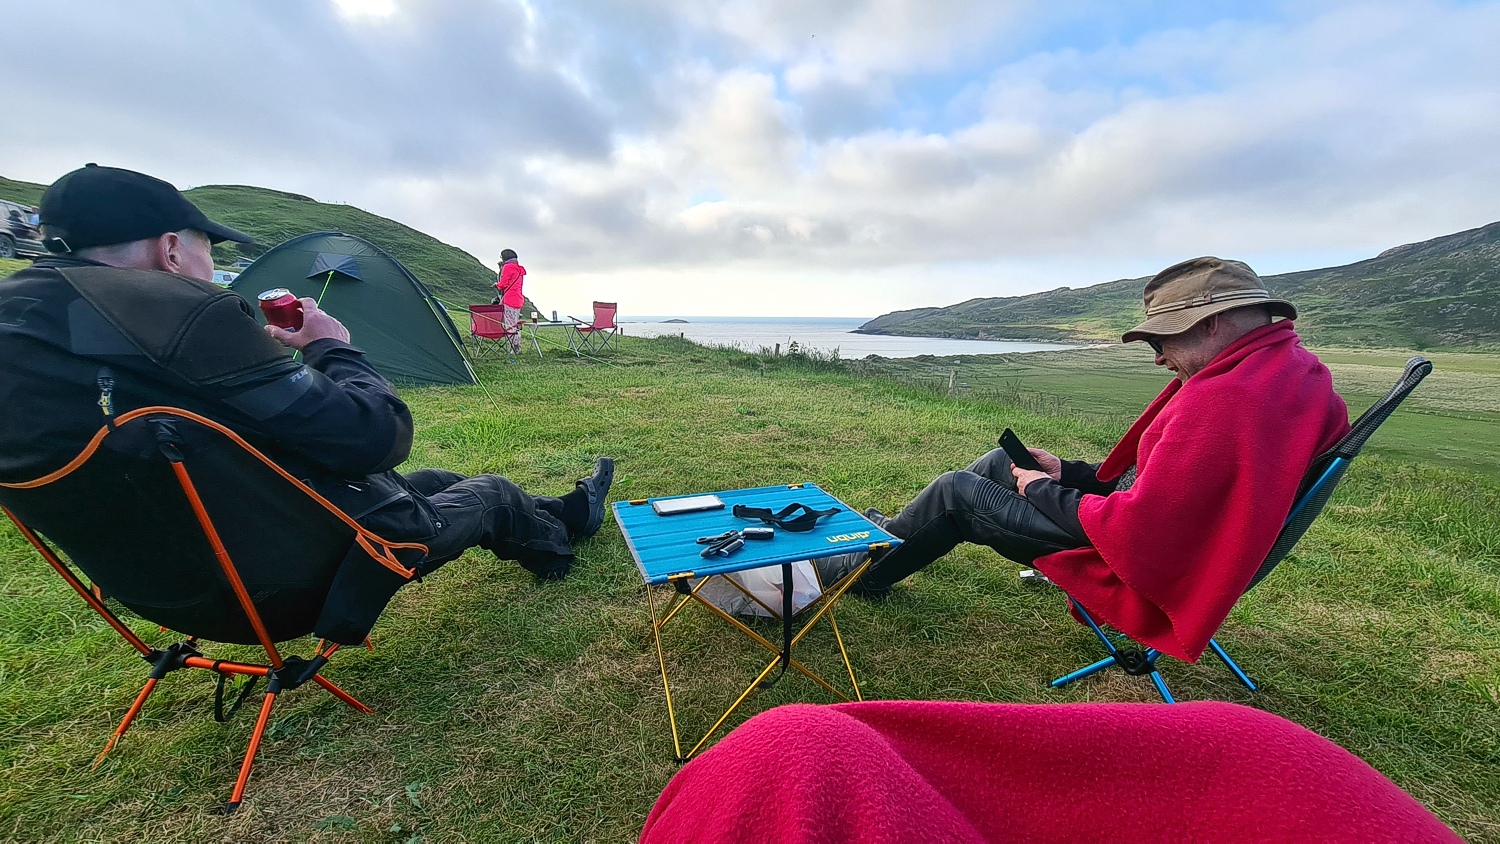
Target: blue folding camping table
point(667, 552)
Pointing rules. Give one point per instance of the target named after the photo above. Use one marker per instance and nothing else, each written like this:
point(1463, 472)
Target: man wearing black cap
point(125, 306)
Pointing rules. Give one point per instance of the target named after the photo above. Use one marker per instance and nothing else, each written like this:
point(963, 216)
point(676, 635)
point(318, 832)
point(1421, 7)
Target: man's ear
point(174, 252)
point(166, 253)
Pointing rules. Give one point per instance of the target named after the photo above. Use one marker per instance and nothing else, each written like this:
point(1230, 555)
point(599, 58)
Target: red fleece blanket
point(907, 771)
point(1219, 460)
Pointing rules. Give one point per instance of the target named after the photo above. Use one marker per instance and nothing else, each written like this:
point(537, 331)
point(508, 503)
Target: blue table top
point(665, 545)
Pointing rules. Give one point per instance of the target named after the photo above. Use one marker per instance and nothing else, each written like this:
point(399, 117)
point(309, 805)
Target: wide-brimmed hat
point(1185, 294)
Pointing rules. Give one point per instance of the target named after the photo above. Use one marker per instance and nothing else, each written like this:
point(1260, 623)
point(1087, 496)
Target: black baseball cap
point(100, 206)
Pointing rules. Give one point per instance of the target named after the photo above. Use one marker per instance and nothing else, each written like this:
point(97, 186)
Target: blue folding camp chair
point(1317, 487)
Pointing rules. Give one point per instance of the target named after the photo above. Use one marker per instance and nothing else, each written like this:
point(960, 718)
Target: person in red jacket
point(1161, 538)
point(512, 275)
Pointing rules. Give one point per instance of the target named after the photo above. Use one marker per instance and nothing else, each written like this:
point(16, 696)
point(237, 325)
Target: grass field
point(1453, 420)
point(512, 711)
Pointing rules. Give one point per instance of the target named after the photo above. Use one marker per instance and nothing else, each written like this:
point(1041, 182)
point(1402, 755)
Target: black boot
point(583, 508)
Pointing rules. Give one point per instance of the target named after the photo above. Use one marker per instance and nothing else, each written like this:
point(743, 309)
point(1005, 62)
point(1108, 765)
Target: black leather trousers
point(978, 505)
point(450, 513)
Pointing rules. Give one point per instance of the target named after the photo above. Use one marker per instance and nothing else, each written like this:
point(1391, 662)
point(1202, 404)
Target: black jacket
point(170, 340)
point(1059, 500)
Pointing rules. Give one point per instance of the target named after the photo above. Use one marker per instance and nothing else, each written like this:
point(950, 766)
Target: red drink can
point(282, 309)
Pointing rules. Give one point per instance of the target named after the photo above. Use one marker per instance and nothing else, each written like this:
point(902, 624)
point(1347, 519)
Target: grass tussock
point(512, 711)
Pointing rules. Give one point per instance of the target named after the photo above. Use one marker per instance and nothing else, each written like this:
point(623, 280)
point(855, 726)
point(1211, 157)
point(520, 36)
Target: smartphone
point(691, 504)
point(1018, 453)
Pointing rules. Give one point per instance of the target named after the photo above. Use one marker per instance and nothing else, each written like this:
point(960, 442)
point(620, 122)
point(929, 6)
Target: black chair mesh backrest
point(123, 519)
point(1305, 511)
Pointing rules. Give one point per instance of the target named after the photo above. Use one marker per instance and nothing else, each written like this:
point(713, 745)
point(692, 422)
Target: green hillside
point(273, 216)
point(1100, 312)
point(26, 193)
point(1441, 293)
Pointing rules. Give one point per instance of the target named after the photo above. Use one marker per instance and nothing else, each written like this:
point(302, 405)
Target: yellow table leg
point(824, 603)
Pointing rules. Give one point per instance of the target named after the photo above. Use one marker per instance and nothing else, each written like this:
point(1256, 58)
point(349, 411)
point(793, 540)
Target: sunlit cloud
point(846, 157)
point(356, 9)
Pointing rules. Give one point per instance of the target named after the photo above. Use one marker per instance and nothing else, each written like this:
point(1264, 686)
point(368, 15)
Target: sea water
point(822, 333)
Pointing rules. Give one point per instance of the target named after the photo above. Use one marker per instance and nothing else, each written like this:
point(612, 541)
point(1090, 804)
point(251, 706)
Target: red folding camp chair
point(184, 523)
point(1317, 487)
point(596, 336)
point(487, 328)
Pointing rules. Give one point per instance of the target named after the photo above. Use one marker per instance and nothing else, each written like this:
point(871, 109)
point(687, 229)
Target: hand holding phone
point(1018, 453)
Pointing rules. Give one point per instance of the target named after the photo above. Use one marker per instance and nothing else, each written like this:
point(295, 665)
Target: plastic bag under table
point(666, 552)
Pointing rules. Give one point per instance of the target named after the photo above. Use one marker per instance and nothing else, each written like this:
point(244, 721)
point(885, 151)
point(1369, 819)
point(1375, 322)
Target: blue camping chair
point(1317, 487)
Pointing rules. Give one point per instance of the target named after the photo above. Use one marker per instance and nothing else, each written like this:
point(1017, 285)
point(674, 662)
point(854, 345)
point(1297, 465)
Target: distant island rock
point(675, 321)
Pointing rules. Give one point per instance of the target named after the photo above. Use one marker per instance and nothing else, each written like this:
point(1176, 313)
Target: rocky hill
point(1440, 293)
point(273, 216)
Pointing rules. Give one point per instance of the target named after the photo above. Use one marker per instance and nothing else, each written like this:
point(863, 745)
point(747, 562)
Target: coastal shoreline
point(984, 337)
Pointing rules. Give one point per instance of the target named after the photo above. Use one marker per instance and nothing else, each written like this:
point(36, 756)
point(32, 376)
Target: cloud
point(985, 147)
point(431, 87)
point(854, 40)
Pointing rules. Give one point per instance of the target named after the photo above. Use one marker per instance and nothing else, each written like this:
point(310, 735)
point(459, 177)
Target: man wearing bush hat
point(1161, 538)
point(124, 315)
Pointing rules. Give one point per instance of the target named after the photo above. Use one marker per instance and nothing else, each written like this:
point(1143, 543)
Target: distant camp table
point(533, 326)
point(666, 552)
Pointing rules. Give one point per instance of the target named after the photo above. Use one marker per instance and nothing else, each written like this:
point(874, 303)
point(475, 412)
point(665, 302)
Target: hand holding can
point(281, 309)
point(311, 325)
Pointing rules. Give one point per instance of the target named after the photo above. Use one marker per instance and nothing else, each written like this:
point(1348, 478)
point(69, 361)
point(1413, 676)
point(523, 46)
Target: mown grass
point(508, 710)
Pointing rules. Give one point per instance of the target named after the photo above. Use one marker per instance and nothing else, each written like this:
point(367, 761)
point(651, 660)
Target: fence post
point(952, 377)
point(778, 350)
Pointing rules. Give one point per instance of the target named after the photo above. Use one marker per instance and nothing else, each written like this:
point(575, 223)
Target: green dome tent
point(402, 328)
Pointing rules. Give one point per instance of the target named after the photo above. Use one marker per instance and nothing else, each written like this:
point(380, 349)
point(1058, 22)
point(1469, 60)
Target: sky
point(788, 157)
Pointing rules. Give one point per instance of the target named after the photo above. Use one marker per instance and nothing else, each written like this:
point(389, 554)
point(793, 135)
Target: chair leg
point(1238, 672)
point(135, 709)
point(1152, 655)
point(1109, 661)
point(1081, 673)
point(1114, 658)
point(1161, 688)
point(260, 729)
point(341, 694)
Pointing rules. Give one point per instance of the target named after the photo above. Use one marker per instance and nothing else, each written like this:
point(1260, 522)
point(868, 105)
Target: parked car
point(20, 232)
point(224, 277)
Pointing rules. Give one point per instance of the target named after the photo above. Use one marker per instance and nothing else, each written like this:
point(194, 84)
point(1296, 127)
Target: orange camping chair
point(596, 336)
point(190, 527)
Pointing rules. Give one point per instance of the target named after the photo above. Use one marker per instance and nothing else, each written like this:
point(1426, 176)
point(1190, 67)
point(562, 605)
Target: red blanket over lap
point(1219, 460)
point(897, 772)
